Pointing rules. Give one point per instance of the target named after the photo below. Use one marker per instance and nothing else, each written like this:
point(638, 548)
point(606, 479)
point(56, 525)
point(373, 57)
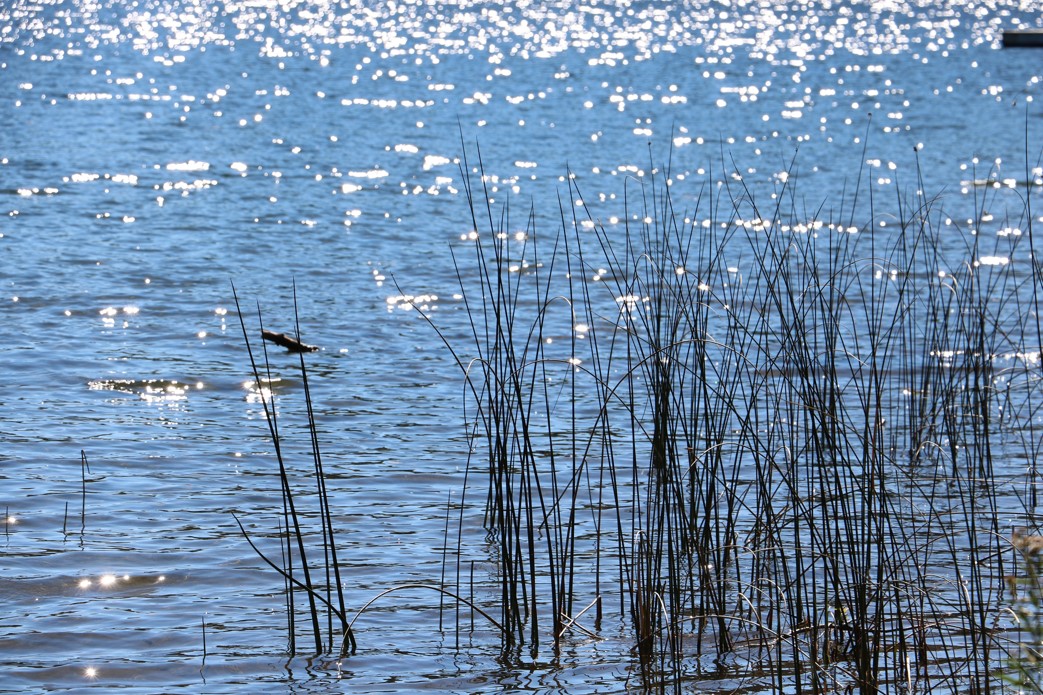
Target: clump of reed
point(298, 573)
point(318, 583)
point(763, 442)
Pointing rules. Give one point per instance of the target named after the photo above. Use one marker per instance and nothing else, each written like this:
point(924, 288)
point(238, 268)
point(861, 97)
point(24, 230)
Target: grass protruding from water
point(325, 597)
point(763, 439)
point(767, 445)
point(293, 548)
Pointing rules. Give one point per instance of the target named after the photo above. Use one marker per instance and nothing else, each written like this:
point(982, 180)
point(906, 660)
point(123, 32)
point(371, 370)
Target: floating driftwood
point(1027, 38)
point(288, 342)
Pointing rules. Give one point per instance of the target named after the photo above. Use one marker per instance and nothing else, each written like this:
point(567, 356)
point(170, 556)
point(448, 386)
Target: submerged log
point(288, 342)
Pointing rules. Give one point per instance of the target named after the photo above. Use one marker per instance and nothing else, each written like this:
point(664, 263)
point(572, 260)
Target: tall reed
point(293, 548)
point(765, 436)
point(296, 525)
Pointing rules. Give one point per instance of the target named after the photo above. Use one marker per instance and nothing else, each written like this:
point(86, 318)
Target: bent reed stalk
point(763, 441)
point(293, 547)
point(294, 536)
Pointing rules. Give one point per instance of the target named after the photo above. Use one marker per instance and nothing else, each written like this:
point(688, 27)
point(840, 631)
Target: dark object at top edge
point(1026, 38)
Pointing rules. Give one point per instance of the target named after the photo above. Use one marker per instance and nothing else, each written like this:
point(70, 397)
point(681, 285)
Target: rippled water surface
point(155, 154)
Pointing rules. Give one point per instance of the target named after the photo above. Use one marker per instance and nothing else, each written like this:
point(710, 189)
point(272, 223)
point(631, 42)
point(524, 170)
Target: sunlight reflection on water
point(156, 151)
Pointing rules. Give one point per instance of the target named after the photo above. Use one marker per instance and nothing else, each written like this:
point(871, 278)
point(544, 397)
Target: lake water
point(155, 154)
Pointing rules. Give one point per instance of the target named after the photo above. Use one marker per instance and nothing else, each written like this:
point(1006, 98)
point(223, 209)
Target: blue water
point(154, 155)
